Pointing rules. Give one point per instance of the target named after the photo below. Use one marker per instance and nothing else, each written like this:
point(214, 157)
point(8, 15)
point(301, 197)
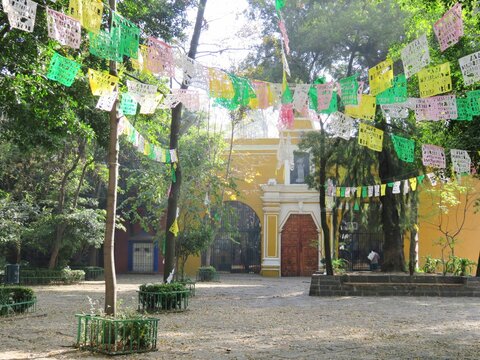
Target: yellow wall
point(469, 244)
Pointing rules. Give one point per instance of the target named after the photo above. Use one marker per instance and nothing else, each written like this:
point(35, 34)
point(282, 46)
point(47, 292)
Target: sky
point(227, 29)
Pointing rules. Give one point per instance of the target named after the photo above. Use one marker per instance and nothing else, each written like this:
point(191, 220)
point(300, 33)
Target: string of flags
point(231, 91)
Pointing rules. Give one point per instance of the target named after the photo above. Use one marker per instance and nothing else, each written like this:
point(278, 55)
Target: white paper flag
point(21, 14)
point(470, 66)
point(341, 125)
point(105, 102)
point(415, 56)
point(461, 161)
point(396, 187)
point(300, 97)
point(395, 111)
point(432, 178)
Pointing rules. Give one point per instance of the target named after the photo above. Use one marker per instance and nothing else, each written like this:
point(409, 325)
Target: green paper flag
point(128, 106)
point(474, 98)
point(313, 94)
point(356, 207)
point(333, 107)
point(349, 87)
point(168, 158)
point(405, 148)
point(342, 192)
point(395, 94)
point(364, 191)
point(279, 4)
point(420, 179)
point(104, 46)
point(174, 175)
point(62, 70)
point(464, 109)
point(243, 93)
point(126, 34)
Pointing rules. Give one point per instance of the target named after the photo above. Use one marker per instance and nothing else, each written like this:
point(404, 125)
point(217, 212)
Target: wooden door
point(299, 246)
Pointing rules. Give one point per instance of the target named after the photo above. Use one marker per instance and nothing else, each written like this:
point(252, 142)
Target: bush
point(206, 273)
point(126, 333)
point(156, 297)
point(430, 265)
point(459, 266)
point(12, 295)
point(70, 276)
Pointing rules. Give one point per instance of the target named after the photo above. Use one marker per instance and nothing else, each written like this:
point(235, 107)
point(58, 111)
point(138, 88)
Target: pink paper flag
point(433, 155)
point(449, 29)
point(160, 58)
point(65, 29)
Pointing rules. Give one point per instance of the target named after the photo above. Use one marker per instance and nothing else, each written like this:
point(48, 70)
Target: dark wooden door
point(299, 246)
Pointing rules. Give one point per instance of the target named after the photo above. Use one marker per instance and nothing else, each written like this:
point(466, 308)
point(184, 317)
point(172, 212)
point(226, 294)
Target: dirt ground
point(251, 317)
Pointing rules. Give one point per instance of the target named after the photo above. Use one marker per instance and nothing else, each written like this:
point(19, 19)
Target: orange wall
point(468, 245)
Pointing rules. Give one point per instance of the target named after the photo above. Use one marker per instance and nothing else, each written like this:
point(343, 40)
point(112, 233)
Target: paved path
point(251, 317)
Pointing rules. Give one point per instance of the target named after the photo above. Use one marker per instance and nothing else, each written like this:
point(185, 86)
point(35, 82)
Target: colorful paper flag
point(128, 105)
point(126, 34)
point(381, 77)
point(433, 155)
point(101, 83)
point(21, 14)
point(415, 56)
point(461, 161)
point(160, 58)
point(102, 45)
point(449, 29)
point(106, 102)
point(63, 70)
point(396, 94)
point(349, 90)
point(88, 12)
point(341, 126)
point(364, 110)
point(470, 67)
point(464, 109)
point(405, 148)
point(435, 80)
point(371, 137)
point(65, 29)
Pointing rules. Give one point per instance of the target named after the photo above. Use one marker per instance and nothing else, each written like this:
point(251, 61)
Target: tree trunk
point(393, 256)
point(174, 137)
point(108, 245)
point(412, 263)
point(323, 206)
point(478, 266)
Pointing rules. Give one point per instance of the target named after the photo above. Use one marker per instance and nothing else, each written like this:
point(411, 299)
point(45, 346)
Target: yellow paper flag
point(101, 83)
point(413, 183)
point(364, 110)
point(370, 137)
point(435, 80)
point(381, 77)
point(383, 189)
point(88, 12)
point(174, 228)
point(220, 84)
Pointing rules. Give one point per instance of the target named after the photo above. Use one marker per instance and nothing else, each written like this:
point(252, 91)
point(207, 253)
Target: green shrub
point(340, 266)
point(206, 273)
point(156, 297)
point(430, 265)
point(459, 266)
point(11, 295)
point(70, 276)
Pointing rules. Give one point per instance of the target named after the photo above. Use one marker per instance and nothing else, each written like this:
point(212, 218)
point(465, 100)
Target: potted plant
point(163, 297)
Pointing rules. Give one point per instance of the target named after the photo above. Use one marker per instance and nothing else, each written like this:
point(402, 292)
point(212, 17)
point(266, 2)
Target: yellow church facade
point(279, 216)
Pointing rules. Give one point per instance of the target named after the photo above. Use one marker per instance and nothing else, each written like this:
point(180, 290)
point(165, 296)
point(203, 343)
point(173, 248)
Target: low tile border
point(394, 285)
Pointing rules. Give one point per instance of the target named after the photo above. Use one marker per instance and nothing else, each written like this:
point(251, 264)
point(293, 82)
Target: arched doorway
point(237, 245)
point(299, 246)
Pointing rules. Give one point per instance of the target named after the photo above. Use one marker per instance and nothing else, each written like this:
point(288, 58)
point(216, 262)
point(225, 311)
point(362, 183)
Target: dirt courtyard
point(251, 317)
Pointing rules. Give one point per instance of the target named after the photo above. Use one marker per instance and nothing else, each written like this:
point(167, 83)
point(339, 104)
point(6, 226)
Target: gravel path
point(251, 317)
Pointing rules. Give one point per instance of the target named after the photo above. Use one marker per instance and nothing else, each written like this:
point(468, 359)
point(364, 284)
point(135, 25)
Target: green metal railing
point(18, 308)
point(116, 336)
point(152, 302)
point(92, 273)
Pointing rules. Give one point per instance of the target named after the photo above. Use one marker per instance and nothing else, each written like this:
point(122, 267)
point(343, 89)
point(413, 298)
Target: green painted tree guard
point(116, 336)
point(152, 302)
